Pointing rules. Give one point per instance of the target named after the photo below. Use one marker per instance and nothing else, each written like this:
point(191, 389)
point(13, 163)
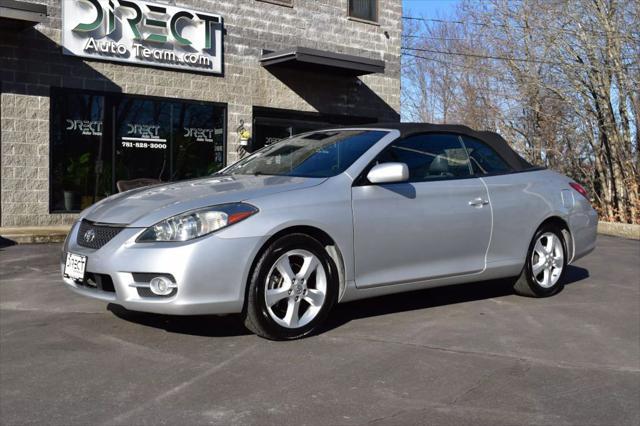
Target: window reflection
point(429, 156)
point(319, 154)
point(484, 160)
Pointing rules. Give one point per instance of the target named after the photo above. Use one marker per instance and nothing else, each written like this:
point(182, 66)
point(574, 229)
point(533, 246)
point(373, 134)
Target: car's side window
point(484, 160)
point(429, 157)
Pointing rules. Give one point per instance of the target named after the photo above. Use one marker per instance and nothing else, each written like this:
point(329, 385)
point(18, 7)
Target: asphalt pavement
point(473, 354)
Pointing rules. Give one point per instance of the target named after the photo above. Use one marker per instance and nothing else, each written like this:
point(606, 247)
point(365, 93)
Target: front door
point(438, 224)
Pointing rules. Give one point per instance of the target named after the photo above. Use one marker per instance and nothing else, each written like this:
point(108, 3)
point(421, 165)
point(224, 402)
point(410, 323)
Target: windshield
point(317, 154)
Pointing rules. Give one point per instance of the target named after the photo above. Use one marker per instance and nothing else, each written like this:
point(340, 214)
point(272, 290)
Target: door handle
point(478, 202)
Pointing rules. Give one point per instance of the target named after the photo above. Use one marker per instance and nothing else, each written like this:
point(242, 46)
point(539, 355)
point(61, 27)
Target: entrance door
point(143, 128)
point(438, 224)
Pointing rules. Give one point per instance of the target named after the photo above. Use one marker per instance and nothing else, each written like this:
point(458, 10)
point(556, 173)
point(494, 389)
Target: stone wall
point(31, 62)
point(25, 161)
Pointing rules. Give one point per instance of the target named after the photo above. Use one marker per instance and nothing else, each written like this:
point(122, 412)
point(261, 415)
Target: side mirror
point(389, 173)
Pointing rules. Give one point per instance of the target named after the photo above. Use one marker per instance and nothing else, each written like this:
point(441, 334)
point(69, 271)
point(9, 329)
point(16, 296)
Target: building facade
point(98, 96)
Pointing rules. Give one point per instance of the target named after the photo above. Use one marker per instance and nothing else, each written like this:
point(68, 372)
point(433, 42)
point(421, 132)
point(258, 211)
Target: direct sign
point(144, 33)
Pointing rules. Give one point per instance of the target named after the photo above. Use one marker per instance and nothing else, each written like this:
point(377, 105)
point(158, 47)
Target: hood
point(144, 207)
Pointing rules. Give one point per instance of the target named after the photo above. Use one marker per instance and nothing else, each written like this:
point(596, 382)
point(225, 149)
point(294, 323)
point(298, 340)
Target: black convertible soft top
point(492, 139)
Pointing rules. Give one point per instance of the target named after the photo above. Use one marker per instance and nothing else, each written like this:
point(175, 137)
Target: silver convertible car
point(329, 217)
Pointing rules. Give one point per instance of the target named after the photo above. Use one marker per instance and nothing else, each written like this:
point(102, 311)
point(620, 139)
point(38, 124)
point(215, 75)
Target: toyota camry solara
point(329, 217)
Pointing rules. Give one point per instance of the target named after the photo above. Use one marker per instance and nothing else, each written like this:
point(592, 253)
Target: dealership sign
point(143, 33)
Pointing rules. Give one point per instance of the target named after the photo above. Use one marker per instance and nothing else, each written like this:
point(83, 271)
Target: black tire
point(256, 316)
point(526, 285)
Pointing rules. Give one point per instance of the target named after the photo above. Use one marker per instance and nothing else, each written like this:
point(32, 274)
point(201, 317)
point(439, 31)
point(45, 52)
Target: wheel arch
point(563, 226)
point(318, 234)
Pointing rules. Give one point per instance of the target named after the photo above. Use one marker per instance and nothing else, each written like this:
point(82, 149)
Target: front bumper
point(211, 272)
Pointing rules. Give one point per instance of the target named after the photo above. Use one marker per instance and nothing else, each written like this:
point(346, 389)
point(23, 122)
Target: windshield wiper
point(255, 174)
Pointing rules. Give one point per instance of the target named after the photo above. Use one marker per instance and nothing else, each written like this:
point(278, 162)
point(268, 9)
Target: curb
point(34, 234)
point(624, 230)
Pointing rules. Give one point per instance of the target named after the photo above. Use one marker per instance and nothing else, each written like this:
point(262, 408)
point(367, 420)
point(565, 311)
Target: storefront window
point(81, 170)
point(198, 140)
point(104, 143)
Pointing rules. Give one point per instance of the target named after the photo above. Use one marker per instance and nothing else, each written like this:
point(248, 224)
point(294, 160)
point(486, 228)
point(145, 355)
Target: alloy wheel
point(296, 289)
point(547, 260)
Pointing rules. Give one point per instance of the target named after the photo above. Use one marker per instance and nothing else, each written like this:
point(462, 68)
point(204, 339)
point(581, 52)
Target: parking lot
point(471, 354)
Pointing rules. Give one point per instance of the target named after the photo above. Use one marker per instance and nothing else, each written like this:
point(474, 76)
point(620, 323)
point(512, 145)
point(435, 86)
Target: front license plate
point(75, 266)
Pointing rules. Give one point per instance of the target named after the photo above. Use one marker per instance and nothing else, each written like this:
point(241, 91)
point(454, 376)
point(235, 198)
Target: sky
point(441, 9)
point(429, 8)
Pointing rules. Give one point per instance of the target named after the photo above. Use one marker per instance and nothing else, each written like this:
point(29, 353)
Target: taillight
point(579, 189)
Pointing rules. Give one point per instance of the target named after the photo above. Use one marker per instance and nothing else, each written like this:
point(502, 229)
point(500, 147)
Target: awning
point(21, 14)
point(305, 58)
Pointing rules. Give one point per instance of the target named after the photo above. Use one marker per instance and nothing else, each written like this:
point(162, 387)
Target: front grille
point(95, 236)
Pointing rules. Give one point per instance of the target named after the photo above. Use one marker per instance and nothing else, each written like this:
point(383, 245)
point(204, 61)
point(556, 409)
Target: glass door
point(142, 137)
point(198, 140)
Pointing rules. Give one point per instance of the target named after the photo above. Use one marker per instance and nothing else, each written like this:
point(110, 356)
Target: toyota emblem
point(89, 236)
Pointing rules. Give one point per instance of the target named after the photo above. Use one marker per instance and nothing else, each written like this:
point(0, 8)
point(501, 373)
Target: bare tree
point(559, 79)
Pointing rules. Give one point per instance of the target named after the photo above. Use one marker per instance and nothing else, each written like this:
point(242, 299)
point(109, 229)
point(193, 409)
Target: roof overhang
point(21, 14)
point(304, 58)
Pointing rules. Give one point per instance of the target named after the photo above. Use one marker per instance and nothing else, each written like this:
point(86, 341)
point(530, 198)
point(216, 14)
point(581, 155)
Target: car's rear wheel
point(545, 265)
point(292, 289)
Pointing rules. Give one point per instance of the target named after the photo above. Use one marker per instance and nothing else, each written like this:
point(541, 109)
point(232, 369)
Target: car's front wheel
point(545, 265)
point(292, 288)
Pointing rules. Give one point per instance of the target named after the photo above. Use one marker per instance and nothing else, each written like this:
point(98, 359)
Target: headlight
point(196, 223)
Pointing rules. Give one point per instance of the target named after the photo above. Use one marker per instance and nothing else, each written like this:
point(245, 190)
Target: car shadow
point(231, 325)
point(195, 325)
point(432, 297)
point(5, 242)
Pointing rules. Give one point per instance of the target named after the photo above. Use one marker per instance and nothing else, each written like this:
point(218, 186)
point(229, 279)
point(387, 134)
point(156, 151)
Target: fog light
point(161, 286)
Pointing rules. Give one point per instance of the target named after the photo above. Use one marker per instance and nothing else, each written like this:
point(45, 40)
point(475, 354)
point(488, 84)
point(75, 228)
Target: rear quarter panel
point(583, 224)
point(520, 203)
